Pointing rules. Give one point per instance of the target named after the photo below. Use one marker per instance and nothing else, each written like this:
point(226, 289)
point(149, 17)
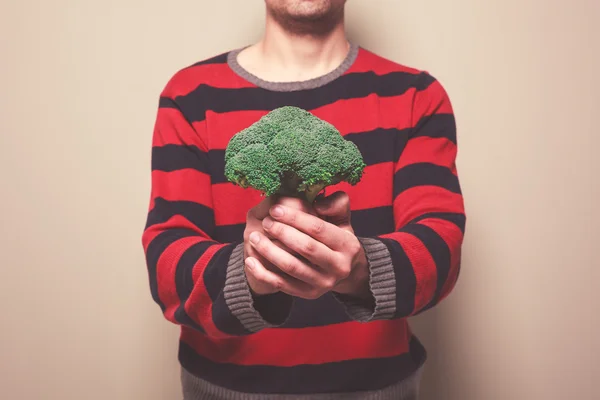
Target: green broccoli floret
point(292, 152)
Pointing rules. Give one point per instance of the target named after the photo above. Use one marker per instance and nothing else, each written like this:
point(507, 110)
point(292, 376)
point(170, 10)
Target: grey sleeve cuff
point(382, 282)
point(241, 303)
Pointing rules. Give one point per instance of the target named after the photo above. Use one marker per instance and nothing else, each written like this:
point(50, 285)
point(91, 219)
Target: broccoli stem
point(293, 188)
point(313, 191)
point(242, 182)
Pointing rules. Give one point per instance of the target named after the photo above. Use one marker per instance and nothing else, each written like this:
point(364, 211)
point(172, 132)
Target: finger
point(335, 207)
point(251, 252)
point(261, 210)
point(284, 261)
point(297, 203)
point(262, 281)
point(317, 228)
point(312, 250)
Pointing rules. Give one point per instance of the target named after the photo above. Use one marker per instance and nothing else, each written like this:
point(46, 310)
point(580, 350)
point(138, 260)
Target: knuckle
point(318, 227)
point(335, 259)
point(291, 267)
point(309, 247)
point(277, 284)
point(329, 283)
point(340, 266)
point(352, 246)
point(313, 294)
point(344, 272)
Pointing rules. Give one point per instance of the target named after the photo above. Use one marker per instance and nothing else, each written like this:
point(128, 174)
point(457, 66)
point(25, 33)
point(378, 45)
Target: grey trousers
point(197, 389)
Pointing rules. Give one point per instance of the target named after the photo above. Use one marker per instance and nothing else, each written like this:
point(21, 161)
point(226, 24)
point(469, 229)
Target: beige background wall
point(79, 82)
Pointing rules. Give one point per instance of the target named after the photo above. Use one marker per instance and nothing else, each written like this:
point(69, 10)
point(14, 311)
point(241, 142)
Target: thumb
point(335, 208)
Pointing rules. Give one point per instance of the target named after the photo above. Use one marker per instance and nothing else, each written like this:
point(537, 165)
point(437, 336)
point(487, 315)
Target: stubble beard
point(317, 24)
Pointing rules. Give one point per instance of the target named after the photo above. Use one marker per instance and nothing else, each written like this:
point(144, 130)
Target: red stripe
point(314, 345)
point(199, 304)
point(231, 202)
point(347, 116)
point(165, 274)
point(438, 151)
point(182, 185)
point(367, 61)
point(375, 189)
point(153, 231)
point(226, 124)
point(453, 237)
point(215, 75)
point(433, 100)
point(420, 200)
point(175, 222)
point(172, 128)
point(423, 266)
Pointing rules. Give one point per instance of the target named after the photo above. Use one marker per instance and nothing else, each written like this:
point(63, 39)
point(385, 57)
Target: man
point(257, 320)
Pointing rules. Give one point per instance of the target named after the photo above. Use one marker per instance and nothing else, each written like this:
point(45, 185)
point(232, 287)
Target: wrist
point(357, 284)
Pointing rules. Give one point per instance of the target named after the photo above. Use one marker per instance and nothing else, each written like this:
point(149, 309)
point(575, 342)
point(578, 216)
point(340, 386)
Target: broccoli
point(291, 152)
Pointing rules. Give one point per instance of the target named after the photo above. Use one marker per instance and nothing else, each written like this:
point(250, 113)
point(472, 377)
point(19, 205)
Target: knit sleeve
point(415, 267)
point(197, 281)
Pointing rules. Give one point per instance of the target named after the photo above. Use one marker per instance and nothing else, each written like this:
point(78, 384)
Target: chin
point(305, 10)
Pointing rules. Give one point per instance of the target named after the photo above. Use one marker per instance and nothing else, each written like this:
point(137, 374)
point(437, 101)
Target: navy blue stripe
point(274, 308)
point(173, 157)
point(373, 221)
point(184, 282)
point(406, 281)
point(325, 310)
point(436, 126)
point(216, 272)
point(439, 251)
point(153, 252)
point(457, 219)
point(217, 165)
point(198, 214)
point(377, 146)
point(224, 320)
point(340, 377)
point(229, 233)
point(166, 102)
point(366, 223)
point(422, 174)
point(350, 86)
point(218, 59)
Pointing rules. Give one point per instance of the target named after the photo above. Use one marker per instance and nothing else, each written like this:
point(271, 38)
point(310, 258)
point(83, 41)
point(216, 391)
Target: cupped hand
point(330, 257)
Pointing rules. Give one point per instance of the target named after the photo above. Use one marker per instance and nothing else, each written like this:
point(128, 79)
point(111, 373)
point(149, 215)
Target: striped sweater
point(407, 211)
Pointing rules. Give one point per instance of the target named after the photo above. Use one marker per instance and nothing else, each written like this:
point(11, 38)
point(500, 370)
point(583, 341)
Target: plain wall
point(79, 86)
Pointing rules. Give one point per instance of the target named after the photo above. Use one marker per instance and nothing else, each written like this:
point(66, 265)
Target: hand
point(334, 259)
point(263, 277)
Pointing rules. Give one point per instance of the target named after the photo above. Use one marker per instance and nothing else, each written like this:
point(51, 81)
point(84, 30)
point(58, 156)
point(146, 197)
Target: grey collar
point(292, 86)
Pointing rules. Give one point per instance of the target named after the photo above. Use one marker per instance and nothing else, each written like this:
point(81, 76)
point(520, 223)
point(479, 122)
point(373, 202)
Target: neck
point(283, 56)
